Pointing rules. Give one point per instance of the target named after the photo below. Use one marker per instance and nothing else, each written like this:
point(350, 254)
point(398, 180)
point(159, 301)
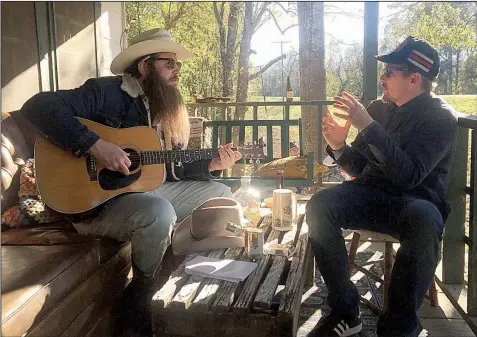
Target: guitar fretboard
point(164, 157)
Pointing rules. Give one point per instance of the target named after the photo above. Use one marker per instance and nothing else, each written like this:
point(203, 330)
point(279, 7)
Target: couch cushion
point(36, 278)
point(18, 137)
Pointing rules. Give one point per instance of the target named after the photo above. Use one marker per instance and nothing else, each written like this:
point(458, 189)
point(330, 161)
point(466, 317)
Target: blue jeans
point(147, 219)
point(416, 223)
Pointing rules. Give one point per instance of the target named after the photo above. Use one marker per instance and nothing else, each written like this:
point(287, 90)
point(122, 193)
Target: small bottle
point(289, 90)
point(249, 198)
point(280, 180)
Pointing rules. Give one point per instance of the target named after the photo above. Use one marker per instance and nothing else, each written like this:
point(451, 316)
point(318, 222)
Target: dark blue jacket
point(101, 100)
point(407, 151)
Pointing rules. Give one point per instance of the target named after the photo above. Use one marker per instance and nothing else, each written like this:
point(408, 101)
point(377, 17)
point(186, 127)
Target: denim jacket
point(101, 100)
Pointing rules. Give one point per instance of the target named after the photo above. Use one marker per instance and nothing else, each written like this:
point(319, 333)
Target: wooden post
point(472, 278)
point(370, 80)
point(453, 257)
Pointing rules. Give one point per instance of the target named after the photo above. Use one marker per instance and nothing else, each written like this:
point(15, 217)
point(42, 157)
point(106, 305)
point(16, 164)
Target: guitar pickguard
point(113, 180)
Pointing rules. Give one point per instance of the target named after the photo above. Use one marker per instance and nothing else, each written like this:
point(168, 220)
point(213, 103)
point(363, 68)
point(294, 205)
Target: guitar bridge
point(91, 168)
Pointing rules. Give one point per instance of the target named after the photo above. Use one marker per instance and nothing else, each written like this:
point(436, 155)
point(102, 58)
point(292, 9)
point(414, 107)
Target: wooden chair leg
point(433, 293)
point(388, 267)
point(353, 248)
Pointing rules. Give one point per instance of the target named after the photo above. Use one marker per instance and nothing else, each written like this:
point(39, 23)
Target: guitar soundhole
point(113, 180)
point(134, 158)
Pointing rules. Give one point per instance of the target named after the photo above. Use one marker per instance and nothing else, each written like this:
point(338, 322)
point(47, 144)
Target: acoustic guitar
point(73, 185)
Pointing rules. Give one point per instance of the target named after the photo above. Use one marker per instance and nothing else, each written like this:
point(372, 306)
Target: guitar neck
point(174, 156)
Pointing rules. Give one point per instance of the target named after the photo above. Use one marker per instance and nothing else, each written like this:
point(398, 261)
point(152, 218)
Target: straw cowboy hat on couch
point(205, 229)
point(149, 42)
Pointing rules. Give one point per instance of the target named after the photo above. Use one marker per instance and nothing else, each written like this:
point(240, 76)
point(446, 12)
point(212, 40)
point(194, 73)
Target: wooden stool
point(388, 267)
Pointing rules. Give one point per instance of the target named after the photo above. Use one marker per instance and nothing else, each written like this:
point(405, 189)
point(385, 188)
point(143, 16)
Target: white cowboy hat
point(205, 228)
point(149, 42)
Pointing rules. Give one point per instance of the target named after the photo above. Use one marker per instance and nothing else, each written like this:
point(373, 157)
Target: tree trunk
point(228, 42)
point(243, 62)
point(450, 72)
point(229, 59)
point(312, 71)
point(457, 62)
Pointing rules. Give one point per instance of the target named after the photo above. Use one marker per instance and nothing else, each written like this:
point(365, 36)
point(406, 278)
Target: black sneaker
point(337, 325)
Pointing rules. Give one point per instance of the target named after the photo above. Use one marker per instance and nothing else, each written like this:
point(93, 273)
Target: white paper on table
point(222, 269)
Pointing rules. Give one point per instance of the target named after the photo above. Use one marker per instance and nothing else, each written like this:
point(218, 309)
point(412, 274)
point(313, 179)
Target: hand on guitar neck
point(227, 158)
point(111, 156)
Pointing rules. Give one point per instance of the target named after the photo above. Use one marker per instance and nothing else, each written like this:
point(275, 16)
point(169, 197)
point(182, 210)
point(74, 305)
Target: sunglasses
point(171, 63)
point(388, 71)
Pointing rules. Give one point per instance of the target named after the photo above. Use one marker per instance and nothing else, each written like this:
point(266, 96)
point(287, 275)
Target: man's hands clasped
point(356, 113)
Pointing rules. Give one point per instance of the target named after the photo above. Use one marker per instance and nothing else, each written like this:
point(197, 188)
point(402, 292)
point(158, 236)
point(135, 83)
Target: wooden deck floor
point(441, 321)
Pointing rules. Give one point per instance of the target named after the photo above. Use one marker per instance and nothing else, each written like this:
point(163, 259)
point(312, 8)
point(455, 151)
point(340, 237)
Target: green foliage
point(192, 24)
point(452, 28)
point(440, 24)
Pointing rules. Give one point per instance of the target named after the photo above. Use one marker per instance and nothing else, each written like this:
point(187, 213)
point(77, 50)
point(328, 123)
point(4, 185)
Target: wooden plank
point(370, 78)
point(472, 259)
point(288, 310)
point(446, 327)
point(210, 324)
point(267, 290)
point(295, 276)
point(241, 135)
point(269, 143)
point(285, 141)
point(453, 254)
point(246, 297)
point(255, 127)
point(225, 294)
point(210, 288)
point(186, 294)
point(245, 300)
point(228, 134)
point(215, 136)
point(178, 278)
point(299, 227)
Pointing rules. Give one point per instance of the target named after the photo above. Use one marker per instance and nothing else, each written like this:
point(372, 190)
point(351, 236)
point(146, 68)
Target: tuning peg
point(250, 161)
point(257, 161)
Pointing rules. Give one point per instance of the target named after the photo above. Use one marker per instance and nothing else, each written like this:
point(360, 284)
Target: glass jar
point(249, 198)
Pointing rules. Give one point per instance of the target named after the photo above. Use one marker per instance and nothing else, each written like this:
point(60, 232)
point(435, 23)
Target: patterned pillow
point(31, 209)
point(293, 168)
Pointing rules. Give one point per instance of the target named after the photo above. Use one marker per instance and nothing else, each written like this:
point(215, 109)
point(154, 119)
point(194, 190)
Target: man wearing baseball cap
point(144, 93)
point(400, 159)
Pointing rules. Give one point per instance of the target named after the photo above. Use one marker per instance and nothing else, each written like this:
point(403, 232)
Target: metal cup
point(254, 240)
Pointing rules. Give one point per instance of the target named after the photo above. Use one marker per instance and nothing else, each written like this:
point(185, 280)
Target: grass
point(462, 103)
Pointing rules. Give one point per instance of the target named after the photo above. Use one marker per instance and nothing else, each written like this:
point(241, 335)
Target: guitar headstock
point(252, 151)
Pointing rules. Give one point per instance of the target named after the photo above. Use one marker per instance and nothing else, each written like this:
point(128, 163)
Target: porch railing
point(223, 129)
point(458, 246)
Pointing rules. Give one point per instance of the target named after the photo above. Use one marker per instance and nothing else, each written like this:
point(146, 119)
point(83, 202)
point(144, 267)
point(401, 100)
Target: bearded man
point(144, 93)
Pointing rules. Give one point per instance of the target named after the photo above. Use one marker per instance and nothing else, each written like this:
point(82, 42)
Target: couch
point(55, 282)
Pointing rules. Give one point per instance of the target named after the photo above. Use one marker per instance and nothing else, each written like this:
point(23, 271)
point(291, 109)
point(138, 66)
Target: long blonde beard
point(176, 131)
point(167, 108)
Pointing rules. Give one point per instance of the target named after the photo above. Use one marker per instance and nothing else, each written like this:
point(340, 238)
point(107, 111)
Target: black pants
point(416, 223)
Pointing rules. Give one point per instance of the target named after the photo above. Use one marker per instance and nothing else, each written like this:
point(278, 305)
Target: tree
point(450, 27)
point(253, 18)
point(312, 69)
